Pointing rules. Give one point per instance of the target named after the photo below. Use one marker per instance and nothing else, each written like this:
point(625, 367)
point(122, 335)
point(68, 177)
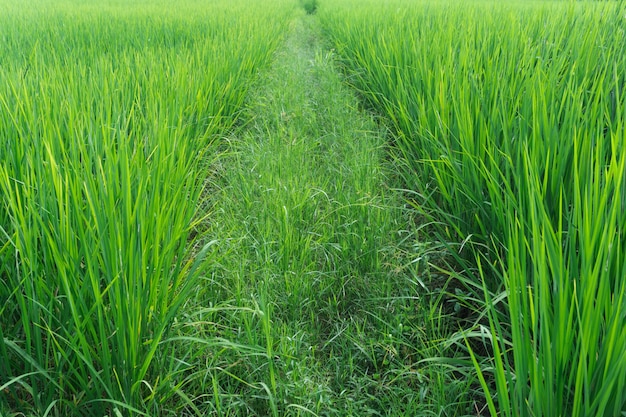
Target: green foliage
point(110, 112)
point(132, 284)
point(317, 269)
point(511, 120)
point(310, 6)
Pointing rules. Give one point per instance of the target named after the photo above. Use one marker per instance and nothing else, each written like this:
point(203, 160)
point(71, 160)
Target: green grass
point(310, 6)
point(111, 113)
point(200, 218)
point(316, 291)
point(510, 121)
point(168, 250)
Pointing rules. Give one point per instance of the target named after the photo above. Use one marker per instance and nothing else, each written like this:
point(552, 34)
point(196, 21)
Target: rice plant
point(109, 113)
point(510, 118)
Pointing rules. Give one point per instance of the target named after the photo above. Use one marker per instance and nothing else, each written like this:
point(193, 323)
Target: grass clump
point(310, 6)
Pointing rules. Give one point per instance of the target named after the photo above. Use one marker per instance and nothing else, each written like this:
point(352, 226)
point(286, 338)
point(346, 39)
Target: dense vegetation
point(199, 217)
point(108, 114)
point(510, 122)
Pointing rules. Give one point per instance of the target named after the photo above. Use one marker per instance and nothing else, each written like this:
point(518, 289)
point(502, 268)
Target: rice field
point(510, 122)
point(109, 114)
point(197, 218)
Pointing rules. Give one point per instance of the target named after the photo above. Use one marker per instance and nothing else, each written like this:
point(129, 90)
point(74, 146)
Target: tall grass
point(511, 119)
point(109, 114)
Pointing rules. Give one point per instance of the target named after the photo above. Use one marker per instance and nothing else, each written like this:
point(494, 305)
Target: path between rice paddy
point(317, 268)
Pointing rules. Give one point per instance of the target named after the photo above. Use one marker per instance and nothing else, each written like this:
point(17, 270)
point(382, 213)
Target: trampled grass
point(511, 119)
point(109, 113)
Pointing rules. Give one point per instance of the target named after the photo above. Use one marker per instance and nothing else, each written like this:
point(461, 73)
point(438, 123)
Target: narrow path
point(313, 272)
